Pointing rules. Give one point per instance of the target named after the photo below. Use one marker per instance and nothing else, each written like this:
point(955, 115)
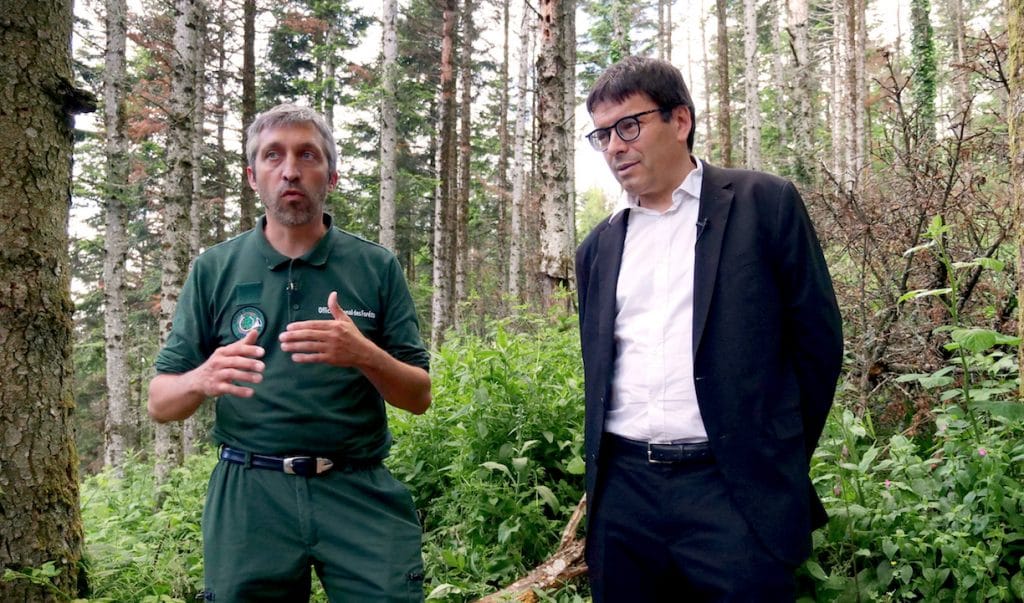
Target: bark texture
point(389, 125)
point(554, 120)
point(177, 201)
point(39, 513)
point(1015, 117)
point(118, 423)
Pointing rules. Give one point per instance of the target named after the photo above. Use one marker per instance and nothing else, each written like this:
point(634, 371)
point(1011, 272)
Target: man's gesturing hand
point(174, 397)
point(336, 342)
point(237, 361)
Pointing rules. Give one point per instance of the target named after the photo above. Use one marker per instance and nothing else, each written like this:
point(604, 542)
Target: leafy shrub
point(135, 551)
point(934, 519)
point(496, 465)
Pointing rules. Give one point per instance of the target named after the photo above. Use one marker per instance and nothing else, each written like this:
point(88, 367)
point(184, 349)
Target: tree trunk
point(464, 156)
point(553, 67)
point(389, 125)
point(177, 203)
point(709, 140)
point(39, 516)
point(218, 226)
point(117, 427)
point(444, 215)
point(504, 149)
point(722, 67)
point(803, 156)
point(665, 30)
point(191, 427)
point(1015, 117)
point(517, 229)
point(247, 202)
point(752, 113)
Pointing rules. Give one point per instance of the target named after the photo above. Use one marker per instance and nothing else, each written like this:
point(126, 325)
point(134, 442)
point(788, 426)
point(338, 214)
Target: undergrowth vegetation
point(935, 513)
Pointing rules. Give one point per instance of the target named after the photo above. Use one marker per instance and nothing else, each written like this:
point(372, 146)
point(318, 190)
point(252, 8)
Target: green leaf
point(919, 293)
point(889, 548)
point(975, 340)
point(441, 591)
point(576, 466)
point(1017, 585)
point(548, 497)
point(815, 571)
point(497, 467)
point(1013, 411)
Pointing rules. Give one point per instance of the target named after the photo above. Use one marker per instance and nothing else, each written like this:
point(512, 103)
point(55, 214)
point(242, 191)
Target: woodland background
point(460, 131)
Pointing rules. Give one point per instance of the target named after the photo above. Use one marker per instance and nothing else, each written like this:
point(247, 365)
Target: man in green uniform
point(301, 331)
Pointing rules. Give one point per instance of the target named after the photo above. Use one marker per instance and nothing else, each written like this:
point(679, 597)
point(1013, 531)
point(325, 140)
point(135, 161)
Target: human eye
point(309, 156)
point(628, 128)
point(599, 138)
point(271, 155)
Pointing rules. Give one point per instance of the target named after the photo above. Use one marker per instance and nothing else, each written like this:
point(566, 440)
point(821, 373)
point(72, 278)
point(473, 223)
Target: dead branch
point(565, 564)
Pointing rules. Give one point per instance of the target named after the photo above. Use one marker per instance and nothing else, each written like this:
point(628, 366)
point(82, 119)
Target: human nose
point(290, 168)
point(615, 142)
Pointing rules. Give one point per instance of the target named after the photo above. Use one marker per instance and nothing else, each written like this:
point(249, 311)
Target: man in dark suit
point(712, 343)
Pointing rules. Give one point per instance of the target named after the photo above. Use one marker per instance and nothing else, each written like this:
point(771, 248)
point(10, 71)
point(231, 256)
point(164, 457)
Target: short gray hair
point(288, 114)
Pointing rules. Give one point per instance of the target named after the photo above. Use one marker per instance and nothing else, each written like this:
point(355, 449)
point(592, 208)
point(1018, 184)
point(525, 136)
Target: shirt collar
point(317, 256)
point(689, 188)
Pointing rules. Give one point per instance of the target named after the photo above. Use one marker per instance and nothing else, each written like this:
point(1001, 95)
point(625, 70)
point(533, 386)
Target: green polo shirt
point(245, 283)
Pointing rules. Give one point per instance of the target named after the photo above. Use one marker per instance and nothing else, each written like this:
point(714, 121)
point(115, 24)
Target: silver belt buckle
point(651, 459)
point(322, 464)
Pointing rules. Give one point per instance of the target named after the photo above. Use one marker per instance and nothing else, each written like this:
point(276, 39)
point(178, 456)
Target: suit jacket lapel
point(609, 259)
point(715, 201)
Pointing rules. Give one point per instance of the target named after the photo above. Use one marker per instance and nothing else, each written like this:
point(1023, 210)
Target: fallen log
point(557, 570)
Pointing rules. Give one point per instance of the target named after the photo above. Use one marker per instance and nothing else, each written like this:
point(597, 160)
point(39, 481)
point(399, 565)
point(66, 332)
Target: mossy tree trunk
point(39, 514)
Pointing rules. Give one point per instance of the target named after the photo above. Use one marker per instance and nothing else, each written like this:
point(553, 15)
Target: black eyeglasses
point(628, 129)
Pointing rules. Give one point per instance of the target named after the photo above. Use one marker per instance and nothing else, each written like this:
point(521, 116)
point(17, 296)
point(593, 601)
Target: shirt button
point(295, 306)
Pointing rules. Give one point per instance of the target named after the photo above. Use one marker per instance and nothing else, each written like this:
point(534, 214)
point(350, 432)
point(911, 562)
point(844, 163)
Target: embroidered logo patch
point(249, 318)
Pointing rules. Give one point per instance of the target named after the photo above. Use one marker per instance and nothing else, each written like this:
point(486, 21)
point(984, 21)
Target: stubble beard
point(310, 210)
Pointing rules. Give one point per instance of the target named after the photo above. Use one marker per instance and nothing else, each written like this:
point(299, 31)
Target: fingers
point(332, 305)
point(235, 362)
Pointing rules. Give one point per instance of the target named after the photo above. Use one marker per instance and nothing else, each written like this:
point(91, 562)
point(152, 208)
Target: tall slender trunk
point(722, 68)
point(803, 156)
point(1015, 118)
point(389, 125)
point(517, 228)
point(553, 67)
point(464, 156)
point(504, 149)
point(752, 113)
point(444, 265)
point(218, 226)
point(190, 428)
point(177, 203)
point(247, 202)
point(118, 424)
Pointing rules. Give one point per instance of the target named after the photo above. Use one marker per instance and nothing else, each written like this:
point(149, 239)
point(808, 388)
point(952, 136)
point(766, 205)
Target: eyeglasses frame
point(615, 126)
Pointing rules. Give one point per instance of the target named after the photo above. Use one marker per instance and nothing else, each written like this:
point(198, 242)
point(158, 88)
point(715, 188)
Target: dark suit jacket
point(767, 341)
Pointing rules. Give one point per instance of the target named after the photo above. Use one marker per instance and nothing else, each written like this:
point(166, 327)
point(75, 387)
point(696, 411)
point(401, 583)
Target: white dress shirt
point(653, 395)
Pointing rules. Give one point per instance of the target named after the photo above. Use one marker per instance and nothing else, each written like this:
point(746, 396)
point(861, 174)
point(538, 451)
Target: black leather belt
point(660, 453)
point(306, 466)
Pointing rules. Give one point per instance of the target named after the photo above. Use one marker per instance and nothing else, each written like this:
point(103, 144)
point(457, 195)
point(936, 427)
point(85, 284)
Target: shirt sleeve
point(400, 333)
point(186, 346)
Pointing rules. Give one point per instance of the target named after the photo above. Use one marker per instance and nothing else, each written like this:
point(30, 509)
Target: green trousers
point(263, 532)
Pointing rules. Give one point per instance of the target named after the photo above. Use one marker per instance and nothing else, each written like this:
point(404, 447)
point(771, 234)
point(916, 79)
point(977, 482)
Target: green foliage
point(934, 519)
point(495, 466)
point(136, 551)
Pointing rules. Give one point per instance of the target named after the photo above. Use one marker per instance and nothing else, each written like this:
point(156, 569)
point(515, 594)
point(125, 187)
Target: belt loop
point(248, 460)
